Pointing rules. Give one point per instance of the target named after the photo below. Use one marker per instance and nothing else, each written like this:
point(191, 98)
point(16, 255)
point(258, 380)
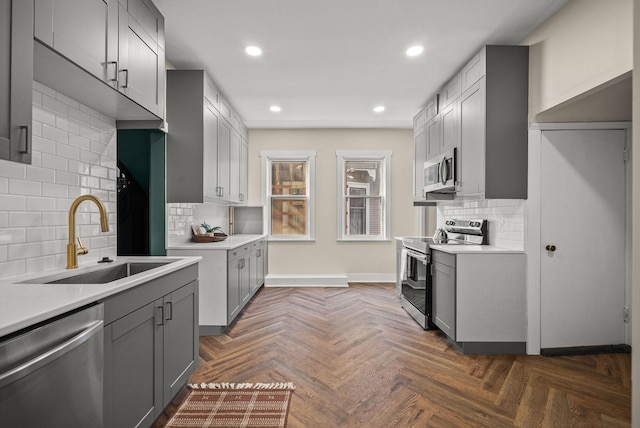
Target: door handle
point(550, 247)
point(169, 311)
point(27, 140)
point(126, 75)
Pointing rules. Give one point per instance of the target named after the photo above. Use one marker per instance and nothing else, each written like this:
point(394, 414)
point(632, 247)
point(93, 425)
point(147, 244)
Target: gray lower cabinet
point(16, 79)
point(150, 346)
point(257, 265)
point(444, 292)
point(479, 300)
point(237, 284)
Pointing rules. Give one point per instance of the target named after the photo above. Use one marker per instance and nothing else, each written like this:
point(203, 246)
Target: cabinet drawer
point(444, 258)
point(451, 91)
point(474, 70)
point(238, 252)
point(419, 119)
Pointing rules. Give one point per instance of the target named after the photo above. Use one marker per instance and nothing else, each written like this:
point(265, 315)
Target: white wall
point(584, 45)
point(325, 255)
point(74, 153)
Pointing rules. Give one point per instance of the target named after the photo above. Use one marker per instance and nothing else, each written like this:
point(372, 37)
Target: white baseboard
point(305, 280)
point(327, 280)
point(371, 277)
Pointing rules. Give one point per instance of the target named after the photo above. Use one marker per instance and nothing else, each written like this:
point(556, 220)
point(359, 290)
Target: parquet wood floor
point(358, 360)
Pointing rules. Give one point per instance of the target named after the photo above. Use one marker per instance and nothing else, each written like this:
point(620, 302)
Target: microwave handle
point(441, 169)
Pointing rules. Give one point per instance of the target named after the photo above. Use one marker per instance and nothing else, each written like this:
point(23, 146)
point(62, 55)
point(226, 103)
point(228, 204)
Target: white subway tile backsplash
point(24, 219)
point(79, 141)
point(44, 175)
point(35, 199)
point(67, 178)
point(37, 234)
point(13, 202)
point(41, 204)
point(54, 162)
point(40, 264)
point(54, 105)
point(505, 218)
point(12, 169)
point(43, 116)
point(68, 152)
point(24, 187)
point(24, 251)
point(13, 235)
point(43, 145)
point(56, 134)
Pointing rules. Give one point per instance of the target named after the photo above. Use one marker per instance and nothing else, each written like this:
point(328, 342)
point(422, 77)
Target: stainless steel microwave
point(440, 173)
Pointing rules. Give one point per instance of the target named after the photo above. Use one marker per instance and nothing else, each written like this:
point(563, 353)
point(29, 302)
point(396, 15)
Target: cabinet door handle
point(259, 253)
point(432, 269)
point(550, 248)
point(126, 80)
point(27, 139)
point(159, 315)
point(115, 70)
point(242, 196)
point(169, 311)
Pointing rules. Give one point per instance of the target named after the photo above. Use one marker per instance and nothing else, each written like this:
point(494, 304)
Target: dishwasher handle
point(46, 357)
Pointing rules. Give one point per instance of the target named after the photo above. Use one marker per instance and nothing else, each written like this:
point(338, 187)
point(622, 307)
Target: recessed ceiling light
point(378, 109)
point(253, 50)
point(414, 50)
point(275, 109)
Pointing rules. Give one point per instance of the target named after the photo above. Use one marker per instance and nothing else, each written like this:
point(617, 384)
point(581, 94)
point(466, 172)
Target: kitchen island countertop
point(25, 304)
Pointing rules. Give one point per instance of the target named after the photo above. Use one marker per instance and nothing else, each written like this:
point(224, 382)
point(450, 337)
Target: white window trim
point(308, 156)
point(355, 155)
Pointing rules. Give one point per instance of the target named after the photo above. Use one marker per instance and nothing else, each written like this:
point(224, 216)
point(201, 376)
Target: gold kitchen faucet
point(72, 251)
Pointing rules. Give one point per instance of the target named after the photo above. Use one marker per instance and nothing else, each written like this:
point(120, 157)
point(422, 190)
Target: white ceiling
point(327, 63)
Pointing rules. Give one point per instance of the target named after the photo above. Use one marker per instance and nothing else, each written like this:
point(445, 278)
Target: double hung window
point(288, 194)
point(363, 195)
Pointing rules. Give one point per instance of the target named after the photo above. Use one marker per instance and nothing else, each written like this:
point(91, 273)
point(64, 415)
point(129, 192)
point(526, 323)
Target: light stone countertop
point(24, 304)
point(474, 249)
point(232, 241)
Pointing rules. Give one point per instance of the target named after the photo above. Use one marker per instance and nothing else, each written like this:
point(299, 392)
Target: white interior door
point(583, 212)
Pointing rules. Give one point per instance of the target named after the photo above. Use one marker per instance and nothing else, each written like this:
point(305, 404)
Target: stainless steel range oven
point(414, 283)
point(414, 279)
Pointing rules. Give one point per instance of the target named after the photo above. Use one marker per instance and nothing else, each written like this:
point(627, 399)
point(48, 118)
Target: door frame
point(533, 229)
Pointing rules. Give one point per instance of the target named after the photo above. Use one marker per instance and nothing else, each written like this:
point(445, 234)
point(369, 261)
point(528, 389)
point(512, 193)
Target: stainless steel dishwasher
point(52, 374)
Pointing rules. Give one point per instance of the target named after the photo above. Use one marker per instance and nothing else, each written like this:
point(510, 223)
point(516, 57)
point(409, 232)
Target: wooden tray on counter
point(208, 238)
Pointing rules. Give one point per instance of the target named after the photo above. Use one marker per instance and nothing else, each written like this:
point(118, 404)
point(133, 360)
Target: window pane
point(364, 216)
point(288, 216)
point(288, 178)
point(364, 175)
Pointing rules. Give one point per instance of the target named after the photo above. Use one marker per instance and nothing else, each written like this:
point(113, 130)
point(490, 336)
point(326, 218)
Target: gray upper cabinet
point(141, 59)
point(206, 155)
point(419, 153)
point(16, 79)
point(493, 124)
point(107, 54)
point(482, 112)
point(80, 30)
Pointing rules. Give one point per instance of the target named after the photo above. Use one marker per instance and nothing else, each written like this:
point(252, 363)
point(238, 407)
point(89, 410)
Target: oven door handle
point(417, 256)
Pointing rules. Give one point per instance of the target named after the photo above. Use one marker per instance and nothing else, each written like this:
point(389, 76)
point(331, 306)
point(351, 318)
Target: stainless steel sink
point(103, 275)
